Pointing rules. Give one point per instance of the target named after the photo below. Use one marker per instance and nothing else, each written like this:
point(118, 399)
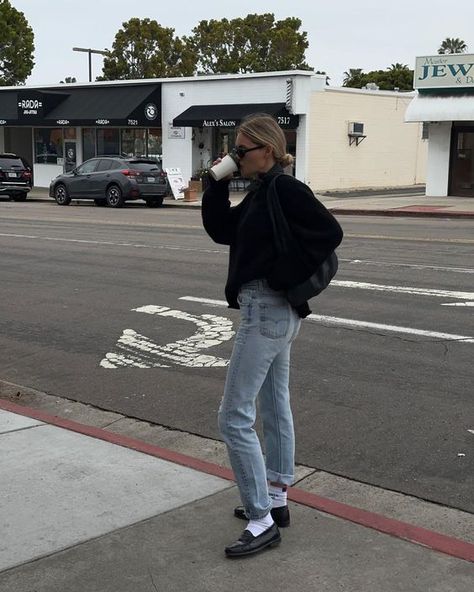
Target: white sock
point(278, 496)
point(256, 527)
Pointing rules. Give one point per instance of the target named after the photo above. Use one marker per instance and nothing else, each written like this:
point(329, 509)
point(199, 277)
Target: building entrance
point(462, 162)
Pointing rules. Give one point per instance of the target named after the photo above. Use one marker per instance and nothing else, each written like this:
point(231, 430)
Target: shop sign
point(151, 111)
point(219, 123)
point(30, 105)
point(176, 132)
point(176, 181)
point(444, 71)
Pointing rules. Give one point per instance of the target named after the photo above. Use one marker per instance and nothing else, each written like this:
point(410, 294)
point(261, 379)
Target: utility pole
point(90, 52)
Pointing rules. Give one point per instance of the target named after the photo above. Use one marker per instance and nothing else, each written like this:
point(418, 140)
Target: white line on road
point(111, 243)
point(406, 265)
point(351, 324)
point(404, 290)
point(457, 304)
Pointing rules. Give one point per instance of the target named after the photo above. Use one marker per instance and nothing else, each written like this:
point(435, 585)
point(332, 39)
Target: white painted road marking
point(111, 243)
point(350, 323)
point(457, 304)
point(404, 290)
point(139, 351)
point(407, 265)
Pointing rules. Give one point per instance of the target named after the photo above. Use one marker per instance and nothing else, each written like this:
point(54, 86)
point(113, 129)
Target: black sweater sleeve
point(219, 218)
point(312, 225)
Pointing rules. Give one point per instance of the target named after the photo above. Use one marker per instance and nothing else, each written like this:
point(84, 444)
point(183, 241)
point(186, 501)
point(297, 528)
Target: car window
point(144, 165)
point(104, 164)
point(8, 163)
point(116, 164)
point(87, 167)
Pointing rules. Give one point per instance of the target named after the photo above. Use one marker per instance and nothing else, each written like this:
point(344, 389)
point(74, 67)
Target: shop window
point(155, 149)
point(134, 142)
point(224, 142)
point(48, 145)
point(108, 141)
point(88, 143)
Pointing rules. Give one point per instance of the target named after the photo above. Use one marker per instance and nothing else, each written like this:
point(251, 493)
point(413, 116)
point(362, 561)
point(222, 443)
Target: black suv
point(112, 180)
point(15, 177)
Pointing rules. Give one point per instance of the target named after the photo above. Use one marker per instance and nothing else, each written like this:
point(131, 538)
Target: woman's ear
point(268, 151)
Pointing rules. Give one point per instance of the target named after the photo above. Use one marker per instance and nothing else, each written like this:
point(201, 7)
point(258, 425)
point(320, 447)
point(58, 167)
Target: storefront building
point(445, 104)
point(183, 122)
point(340, 138)
point(59, 127)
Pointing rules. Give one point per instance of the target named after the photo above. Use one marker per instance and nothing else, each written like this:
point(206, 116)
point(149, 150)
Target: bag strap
point(281, 230)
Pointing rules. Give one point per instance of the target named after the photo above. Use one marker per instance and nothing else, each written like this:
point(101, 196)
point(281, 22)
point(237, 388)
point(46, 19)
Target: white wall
point(179, 96)
point(437, 174)
point(2, 140)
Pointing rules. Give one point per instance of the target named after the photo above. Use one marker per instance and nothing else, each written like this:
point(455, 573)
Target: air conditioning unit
point(356, 128)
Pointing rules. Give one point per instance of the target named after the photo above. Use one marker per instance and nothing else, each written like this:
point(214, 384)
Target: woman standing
point(260, 361)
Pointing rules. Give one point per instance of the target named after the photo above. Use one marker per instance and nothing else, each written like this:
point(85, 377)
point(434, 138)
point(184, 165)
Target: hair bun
point(286, 160)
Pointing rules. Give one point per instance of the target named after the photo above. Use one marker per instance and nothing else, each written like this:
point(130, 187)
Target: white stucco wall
point(391, 155)
point(177, 96)
point(437, 175)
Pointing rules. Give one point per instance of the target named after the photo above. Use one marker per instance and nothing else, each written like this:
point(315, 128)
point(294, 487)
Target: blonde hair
point(263, 129)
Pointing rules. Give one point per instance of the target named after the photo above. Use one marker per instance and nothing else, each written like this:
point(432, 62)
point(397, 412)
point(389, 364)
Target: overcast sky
point(342, 34)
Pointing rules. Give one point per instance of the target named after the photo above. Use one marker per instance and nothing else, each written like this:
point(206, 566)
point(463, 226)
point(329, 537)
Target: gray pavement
point(82, 514)
point(404, 201)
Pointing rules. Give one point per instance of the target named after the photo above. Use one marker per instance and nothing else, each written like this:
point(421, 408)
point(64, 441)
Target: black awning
point(232, 115)
point(8, 107)
point(104, 105)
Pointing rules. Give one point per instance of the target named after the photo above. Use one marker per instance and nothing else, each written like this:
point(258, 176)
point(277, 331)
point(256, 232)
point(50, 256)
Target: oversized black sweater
point(248, 230)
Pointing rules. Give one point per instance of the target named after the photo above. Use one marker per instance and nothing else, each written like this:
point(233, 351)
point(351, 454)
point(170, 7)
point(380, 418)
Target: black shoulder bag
point(291, 255)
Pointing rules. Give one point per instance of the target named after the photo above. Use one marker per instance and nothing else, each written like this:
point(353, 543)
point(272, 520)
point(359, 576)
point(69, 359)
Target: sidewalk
point(84, 509)
point(369, 203)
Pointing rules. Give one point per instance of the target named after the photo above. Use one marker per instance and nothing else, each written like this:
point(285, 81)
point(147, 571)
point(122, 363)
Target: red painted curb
point(399, 213)
point(402, 530)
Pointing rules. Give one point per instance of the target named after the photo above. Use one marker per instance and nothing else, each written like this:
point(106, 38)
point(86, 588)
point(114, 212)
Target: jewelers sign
point(444, 71)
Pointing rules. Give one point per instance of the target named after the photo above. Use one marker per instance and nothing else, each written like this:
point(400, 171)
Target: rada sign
point(444, 71)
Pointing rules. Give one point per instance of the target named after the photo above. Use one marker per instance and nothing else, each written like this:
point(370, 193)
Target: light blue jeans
point(259, 368)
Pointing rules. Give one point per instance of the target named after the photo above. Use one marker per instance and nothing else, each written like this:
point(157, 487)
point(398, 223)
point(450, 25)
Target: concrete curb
point(354, 211)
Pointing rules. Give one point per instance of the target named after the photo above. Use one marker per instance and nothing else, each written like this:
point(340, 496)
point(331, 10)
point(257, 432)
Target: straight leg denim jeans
point(259, 368)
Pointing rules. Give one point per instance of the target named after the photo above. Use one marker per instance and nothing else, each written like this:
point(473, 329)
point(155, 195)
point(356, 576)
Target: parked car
point(112, 180)
point(15, 176)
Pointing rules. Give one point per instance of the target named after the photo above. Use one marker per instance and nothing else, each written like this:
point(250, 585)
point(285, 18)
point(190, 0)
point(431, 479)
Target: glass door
point(462, 162)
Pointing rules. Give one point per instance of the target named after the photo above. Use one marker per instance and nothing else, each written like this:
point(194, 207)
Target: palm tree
point(352, 77)
point(397, 67)
point(451, 45)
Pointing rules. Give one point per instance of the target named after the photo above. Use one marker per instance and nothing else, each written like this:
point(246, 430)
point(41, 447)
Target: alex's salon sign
point(444, 71)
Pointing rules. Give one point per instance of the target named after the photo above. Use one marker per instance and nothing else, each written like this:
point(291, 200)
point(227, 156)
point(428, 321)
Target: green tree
point(68, 80)
point(397, 76)
point(352, 78)
point(255, 43)
point(16, 46)
point(452, 45)
point(145, 49)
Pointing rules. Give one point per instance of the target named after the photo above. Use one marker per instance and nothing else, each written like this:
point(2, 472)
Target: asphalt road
point(382, 382)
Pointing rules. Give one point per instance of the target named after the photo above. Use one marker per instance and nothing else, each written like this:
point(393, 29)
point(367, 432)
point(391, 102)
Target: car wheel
point(155, 202)
point(100, 202)
point(114, 196)
point(61, 195)
point(19, 197)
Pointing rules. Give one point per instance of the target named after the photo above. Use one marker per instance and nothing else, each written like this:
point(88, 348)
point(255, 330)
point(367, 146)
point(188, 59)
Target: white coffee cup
point(227, 166)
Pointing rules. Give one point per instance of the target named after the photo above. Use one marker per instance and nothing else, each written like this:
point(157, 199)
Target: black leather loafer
point(281, 515)
point(248, 544)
